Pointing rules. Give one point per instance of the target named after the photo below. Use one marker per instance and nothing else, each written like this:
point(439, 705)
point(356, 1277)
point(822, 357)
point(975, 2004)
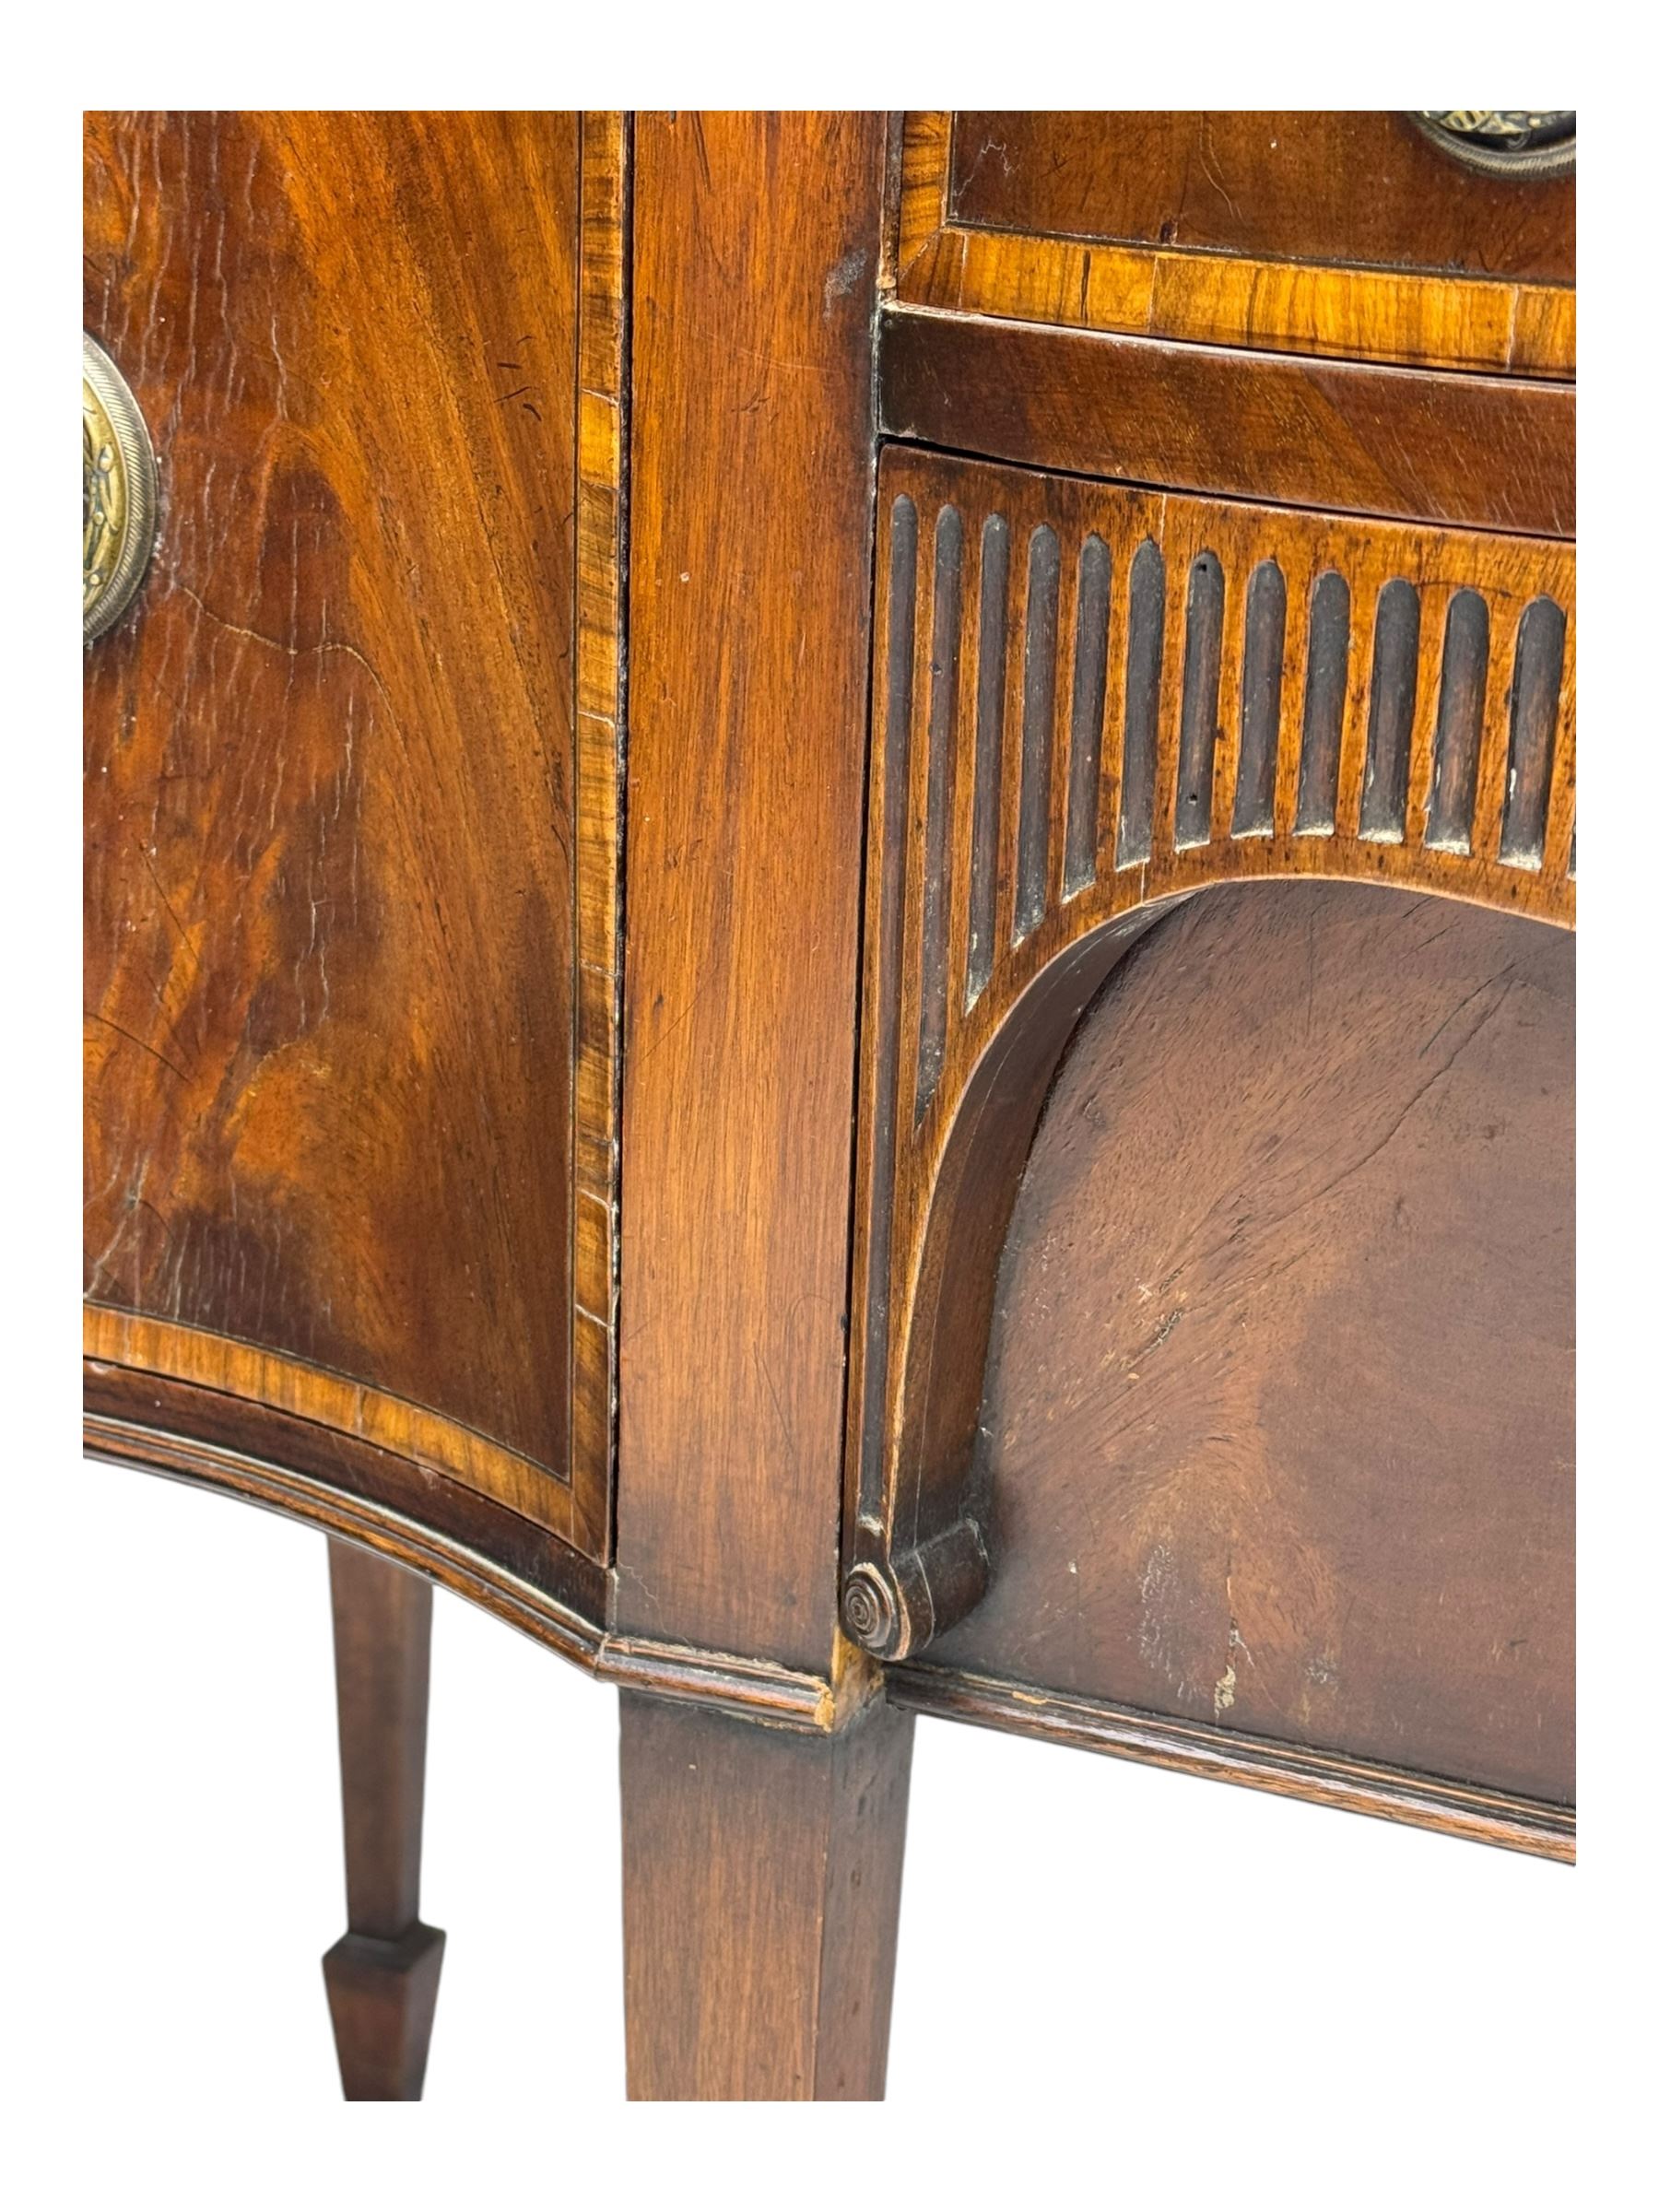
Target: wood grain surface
point(752, 494)
point(1362, 187)
point(336, 910)
point(1482, 453)
point(383, 1633)
point(383, 1975)
point(759, 1904)
point(1277, 1421)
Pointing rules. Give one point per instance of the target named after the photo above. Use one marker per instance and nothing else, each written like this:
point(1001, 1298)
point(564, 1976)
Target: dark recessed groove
point(1458, 724)
point(1259, 701)
point(1200, 696)
point(1142, 676)
point(1323, 700)
point(987, 752)
point(935, 853)
point(1535, 709)
point(1037, 730)
point(1394, 680)
point(1088, 703)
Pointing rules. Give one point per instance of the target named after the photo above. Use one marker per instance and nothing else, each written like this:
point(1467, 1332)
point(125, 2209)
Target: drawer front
point(1370, 189)
point(1353, 235)
point(1093, 703)
point(350, 789)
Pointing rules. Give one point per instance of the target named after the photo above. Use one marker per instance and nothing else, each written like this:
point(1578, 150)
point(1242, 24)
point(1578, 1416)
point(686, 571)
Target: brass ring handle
point(118, 492)
point(1504, 142)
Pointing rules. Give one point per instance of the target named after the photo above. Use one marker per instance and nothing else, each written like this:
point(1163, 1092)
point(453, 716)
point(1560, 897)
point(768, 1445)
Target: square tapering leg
point(760, 1902)
point(381, 1976)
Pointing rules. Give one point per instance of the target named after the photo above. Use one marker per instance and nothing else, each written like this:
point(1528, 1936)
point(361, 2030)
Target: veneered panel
point(329, 902)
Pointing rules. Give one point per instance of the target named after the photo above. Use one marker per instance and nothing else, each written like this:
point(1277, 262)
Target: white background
point(1115, 1985)
point(1183, 1979)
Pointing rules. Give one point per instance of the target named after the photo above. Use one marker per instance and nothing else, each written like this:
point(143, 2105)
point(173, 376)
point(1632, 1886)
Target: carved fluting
point(1094, 699)
point(1464, 670)
point(1037, 731)
point(1088, 707)
point(941, 762)
point(987, 751)
point(1325, 698)
point(1535, 707)
point(1395, 651)
point(1200, 700)
point(1259, 701)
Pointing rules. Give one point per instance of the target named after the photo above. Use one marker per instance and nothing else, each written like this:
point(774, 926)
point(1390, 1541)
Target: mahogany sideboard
point(829, 863)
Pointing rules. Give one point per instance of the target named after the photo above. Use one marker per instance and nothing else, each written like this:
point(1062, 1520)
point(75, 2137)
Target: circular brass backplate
point(118, 491)
point(1504, 142)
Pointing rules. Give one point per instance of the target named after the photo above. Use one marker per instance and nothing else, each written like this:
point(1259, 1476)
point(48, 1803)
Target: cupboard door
point(350, 787)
